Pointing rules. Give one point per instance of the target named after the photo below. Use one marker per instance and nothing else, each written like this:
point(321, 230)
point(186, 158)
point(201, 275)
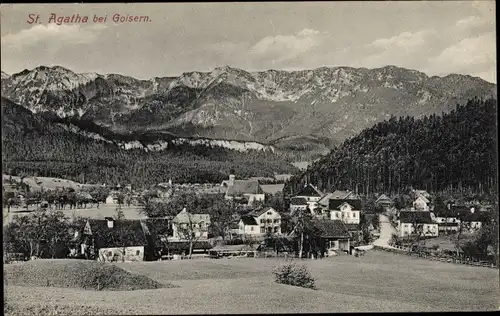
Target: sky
point(435, 37)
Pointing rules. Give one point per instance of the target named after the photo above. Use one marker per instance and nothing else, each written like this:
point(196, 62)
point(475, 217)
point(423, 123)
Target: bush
point(292, 274)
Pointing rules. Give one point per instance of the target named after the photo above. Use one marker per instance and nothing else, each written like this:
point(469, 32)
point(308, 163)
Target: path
point(386, 231)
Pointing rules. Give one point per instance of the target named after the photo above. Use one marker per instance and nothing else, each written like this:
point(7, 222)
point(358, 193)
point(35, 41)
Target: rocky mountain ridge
point(281, 108)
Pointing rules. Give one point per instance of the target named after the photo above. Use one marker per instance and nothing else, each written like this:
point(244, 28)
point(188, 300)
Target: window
point(262, 221)
point(354, 215)
point(138, 252)
point(262, 230)
point(269, 213)
point(276, 229)
point(276, 220)
point(110, 253)
point(251, 228)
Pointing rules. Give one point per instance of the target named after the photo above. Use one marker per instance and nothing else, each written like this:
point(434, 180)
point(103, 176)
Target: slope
point(455, 152)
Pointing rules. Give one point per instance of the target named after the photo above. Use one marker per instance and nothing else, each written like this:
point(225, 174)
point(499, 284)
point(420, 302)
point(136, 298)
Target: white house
point(311, 195)
point(298, 203)
point(409, 221)
point(112, 198)
point(187, 223)
point(116, 240)
point(347, 211)
point(260, 222)
point(421, 204)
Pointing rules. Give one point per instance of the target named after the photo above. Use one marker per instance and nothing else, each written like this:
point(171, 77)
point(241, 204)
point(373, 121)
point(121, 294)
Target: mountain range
point(309, 110)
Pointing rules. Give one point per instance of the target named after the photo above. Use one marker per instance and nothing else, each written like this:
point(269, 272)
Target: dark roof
point(383, 198)
point(419, 217)
point(125, 233)
point(352, 227)
point(309, 190)
point(448, 224)
point(298, 201)
point(335, 203)
point(331, 229)
point(340, 195)
point(248, 220)
point(258, 212)
point(241, 187)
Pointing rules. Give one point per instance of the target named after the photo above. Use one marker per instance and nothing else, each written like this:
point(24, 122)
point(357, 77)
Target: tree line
point(454, 152)
point(37, 146)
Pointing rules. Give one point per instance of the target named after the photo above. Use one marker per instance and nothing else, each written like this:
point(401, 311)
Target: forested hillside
point(455, 152)
point(35, 145)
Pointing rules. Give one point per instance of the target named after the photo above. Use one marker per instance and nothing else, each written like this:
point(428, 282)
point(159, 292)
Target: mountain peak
point(5, 76)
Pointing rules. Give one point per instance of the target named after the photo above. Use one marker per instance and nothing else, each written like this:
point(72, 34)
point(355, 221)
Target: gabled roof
point(298, 201)
point(310, 190)
point(272, 188)
point(184, 217)
point(124, 233)
point(419, 217)
point(331, 229)
point(383, 197)
point(335, 204)
point(241, 187)
point(258, 212)
point(476, 217)
point(423, 198)
point(248, 220)
point(339, 194)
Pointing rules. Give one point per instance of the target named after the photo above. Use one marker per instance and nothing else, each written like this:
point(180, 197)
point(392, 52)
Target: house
point(447, 220)
point(112, 198)
point(334, 234)
point(117, 240)
point(248, 226)
point(186, 223)
point(384, 201)
point(347, 211)
point(422, 219)
point(298, 203)
point(249, 190)
point(260, 222)
point(423, 193)
point(421, 204)
point(473, 220)
point(312, 195)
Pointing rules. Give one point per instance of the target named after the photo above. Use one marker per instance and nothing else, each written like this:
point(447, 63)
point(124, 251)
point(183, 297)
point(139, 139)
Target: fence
point(405, 250)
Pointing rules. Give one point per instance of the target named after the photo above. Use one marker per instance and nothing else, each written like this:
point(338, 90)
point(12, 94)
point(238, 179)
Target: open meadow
point(376, 282)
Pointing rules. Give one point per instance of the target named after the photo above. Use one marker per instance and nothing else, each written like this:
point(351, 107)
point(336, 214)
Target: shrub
point(236, 241)
point(292, 274)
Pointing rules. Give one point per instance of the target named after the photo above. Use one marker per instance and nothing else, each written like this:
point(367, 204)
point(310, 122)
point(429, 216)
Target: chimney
point(110, 222)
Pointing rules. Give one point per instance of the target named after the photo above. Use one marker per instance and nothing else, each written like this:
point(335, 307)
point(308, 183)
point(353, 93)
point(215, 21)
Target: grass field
point(376, 282)
point(104, 210)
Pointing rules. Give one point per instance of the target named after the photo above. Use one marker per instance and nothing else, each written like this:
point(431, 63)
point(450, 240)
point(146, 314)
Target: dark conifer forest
point(34, 145)
point(454, 152)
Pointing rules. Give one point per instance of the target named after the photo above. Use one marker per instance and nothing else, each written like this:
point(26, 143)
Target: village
point(262, 221)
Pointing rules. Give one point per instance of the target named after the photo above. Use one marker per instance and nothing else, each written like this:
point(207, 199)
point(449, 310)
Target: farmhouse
point(347, 211)
point(334, 234)
point(260, 222)
point(272, 189)
point(384, 201)
point(117, 240)
point(312, 195)
point(186, 223)
point(243, 189)
point(298, 203)
point(408, 222)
